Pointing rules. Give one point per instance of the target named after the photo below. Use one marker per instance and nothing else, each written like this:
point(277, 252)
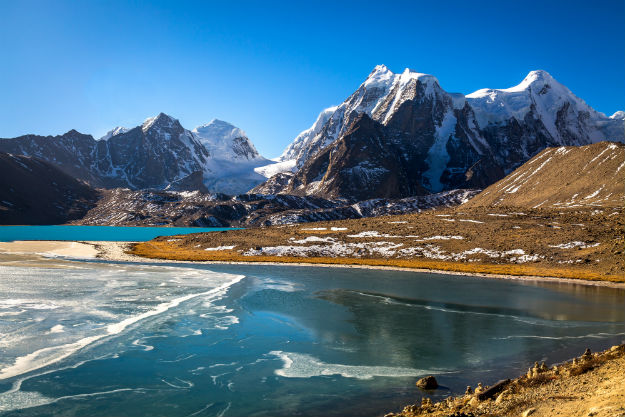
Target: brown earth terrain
point(568, 176)
point(585, 243)
point(591, 385)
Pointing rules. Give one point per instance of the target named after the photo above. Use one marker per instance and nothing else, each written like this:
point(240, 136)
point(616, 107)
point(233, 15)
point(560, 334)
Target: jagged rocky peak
point(381, 76)
point(225, 141)
point(379, 96)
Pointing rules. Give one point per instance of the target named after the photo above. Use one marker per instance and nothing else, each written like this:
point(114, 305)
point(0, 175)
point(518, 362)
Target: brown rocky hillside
point(563, 177)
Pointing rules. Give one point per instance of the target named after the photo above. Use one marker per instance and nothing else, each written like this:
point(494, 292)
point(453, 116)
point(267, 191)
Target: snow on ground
point(330, 247)
point(337, 229)
point(575, 244)
point(370, 233)
point(437, 157)
point(470, 221)
point(438, 237)
point(221, 248)
point(315, 228)
point(334, 249)
point(270, 170)
point(310, 239)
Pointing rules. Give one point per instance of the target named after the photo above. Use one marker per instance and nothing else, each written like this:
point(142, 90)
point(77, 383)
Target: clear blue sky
point(270, 67)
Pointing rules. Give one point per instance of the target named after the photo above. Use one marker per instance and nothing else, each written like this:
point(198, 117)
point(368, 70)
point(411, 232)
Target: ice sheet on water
point(300, 365)
point(93, 303)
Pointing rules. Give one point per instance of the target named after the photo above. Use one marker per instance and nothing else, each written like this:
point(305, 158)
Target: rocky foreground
point(591, 385)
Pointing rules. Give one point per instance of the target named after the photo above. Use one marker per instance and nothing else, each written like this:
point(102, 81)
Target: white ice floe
point(300, 365)
point(59, 328)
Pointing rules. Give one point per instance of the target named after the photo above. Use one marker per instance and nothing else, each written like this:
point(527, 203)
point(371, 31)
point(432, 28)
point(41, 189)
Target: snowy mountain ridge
point(429, 140)
point(490, 106)
point(159, 154)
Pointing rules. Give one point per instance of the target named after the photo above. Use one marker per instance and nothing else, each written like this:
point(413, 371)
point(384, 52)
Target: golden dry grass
point(171, 250)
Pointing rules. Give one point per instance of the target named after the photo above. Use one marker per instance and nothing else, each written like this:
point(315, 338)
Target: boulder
point(429, 382)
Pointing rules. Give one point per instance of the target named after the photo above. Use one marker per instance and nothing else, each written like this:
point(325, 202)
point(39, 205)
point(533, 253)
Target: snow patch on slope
point(438, 157)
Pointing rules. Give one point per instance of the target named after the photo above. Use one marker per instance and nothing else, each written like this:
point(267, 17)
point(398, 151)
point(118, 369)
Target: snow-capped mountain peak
point(380, 76)
point(379, 96)
point(409, 74)
point(619, 115)
point(161, 120)
point(225, 141)
point(218, 131)
point(536, 79)
point(403, 134)
point(114, 132)
point(541, 96)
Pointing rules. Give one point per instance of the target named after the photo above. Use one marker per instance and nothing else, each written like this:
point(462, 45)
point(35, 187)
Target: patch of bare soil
point(591, 385)
point(585, 243)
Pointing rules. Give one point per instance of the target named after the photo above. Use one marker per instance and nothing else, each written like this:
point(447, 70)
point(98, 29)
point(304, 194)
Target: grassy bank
point(580, 244)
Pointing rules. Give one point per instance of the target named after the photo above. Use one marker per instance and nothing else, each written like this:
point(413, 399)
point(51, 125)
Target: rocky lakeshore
point(590, 385)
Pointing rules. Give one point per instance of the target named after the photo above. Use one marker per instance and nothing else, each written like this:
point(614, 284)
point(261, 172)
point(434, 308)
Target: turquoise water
point(96, 233)
point(121, 339)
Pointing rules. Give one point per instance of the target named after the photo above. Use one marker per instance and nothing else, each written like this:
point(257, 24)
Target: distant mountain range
point(400, 135)
point(159, 154)
point(396, 136)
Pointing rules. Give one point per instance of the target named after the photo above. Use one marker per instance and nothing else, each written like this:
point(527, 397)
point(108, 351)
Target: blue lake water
point(97, 233)
point(101, 339)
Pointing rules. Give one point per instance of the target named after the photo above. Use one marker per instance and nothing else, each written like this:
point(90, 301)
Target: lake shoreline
point(118, 252)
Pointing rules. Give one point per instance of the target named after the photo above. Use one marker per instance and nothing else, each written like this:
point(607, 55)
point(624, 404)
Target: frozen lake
point(96, 338)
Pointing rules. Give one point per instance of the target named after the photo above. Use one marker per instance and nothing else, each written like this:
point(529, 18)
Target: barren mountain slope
point(567, 176)
point(36, 192)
